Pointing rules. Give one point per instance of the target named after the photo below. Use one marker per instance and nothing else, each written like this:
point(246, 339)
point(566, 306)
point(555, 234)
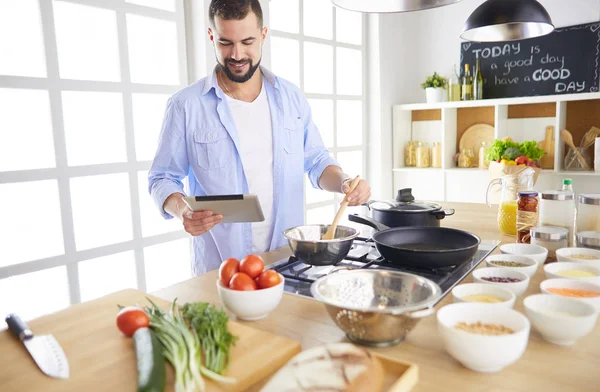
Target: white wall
point(414, 45)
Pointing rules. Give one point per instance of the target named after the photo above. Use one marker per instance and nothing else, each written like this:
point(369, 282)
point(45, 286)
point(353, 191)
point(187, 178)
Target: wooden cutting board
point(103, 359)
point(547, 162)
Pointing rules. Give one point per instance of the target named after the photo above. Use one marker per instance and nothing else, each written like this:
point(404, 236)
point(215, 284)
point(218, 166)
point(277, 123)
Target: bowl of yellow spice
point(484, 293)
point(570, 270)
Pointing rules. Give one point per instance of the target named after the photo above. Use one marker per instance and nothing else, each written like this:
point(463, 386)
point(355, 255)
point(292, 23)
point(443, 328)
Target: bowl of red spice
point(510, 279)
point(584, 291)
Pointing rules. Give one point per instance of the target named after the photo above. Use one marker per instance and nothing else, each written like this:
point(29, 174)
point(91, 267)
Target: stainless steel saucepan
point(306, 243)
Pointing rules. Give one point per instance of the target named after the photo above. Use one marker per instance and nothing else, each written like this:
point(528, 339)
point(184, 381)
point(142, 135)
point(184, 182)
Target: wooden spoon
point(568, 138)
point(330, 234)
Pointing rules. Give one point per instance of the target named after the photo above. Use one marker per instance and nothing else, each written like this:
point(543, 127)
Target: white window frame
point(301, 38)
point(62, 172)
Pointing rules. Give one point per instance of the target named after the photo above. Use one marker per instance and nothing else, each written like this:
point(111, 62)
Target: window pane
point(31, 226)
point(285, 59)
point(148, 114)
point(351, 162)
point(21, 41)
point(322, 116)
point(315, 195)
point(318, 68)
point(153, 54)
point(94, 136)
point(167, 5)
point(284, 15)
point(318, 17)
point(101, 210)
point(152, 222)
point(167, 264)
point(26, 140)
point(17, 296)
point(320, 215)
point(348, 26)
point(86, 38)
point(349, 123)
point(105, 275)
point(349, 71)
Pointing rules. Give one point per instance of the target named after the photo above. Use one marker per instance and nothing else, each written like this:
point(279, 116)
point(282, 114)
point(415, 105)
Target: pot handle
point(357, 218)
point(417, 314)
point(443, 213)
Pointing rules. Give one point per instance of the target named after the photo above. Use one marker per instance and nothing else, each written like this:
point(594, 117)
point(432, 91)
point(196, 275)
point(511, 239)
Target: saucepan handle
point(357, 218)
point(443, 213)
point(417, 314)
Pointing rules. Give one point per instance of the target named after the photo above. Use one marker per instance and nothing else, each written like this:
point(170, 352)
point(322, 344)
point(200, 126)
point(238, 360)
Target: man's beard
point(238, 78)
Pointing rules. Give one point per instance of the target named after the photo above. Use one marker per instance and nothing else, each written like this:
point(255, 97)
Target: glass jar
point(527, 215)
point(465, 158)
point(436, 155)
point(423, 155)
point(588, 212)
point(573, 163)
point(557, 208)
point(410, 154)
point(551, 238)
point(589, 239)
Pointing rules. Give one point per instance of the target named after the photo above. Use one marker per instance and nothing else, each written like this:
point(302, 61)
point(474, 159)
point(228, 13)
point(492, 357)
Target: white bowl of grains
point(512, 280)
point(483, 293)
point(579, 255)
point(481, 337)
point(575, 271)
point(519, 263)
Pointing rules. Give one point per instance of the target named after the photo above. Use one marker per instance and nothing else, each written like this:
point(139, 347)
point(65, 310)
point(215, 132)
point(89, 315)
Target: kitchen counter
point(543, 367)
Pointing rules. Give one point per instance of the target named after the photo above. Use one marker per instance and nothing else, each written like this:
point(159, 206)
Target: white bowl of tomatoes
point(247, 290)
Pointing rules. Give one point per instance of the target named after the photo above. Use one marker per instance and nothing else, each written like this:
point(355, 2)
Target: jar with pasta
point(410, 154)
point(527, 215)
point(423, 155)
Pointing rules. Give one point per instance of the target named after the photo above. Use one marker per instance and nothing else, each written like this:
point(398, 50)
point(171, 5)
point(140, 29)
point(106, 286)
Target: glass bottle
point(467, 85)
point(436, 155)
point(527, 215)
point(453, 86)
point(483, 164)
point(478, 81)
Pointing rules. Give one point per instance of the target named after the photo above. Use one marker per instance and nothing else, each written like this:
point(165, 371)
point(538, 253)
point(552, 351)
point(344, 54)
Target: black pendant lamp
point(507, 20)
point(384, 6)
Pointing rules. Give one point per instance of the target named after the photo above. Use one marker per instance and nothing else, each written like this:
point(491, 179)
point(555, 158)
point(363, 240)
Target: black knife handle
point(18, 327)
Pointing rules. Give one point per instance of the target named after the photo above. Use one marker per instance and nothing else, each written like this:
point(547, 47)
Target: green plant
point(435, 81)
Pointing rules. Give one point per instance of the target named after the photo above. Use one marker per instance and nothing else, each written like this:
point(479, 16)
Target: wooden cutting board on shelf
point(103, 359)
point(547, 162)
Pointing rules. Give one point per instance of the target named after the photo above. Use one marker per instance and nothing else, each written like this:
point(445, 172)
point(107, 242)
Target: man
point(241, 130)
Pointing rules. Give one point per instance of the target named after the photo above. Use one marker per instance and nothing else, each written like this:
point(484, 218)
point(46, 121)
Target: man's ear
point(263, 33)
point(211, 36)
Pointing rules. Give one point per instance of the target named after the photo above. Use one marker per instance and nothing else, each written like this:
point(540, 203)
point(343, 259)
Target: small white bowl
point(517, 288)
point(560, 320)
point(251, 305)
point(536, 252)
point(464, 290)
point(575, 285)
point(552, 271)
point(531, 264)
point(483, 353)
point(566, 254)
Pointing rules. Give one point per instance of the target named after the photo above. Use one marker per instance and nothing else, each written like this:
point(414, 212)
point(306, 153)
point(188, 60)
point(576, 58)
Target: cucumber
point(150, 361)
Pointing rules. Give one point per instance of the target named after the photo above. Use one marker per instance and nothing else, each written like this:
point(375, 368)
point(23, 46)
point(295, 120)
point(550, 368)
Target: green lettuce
point(495, 151)
point(507, 149)
point(532, 151)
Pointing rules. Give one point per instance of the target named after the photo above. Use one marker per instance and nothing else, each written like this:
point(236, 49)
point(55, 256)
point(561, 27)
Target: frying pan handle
point(357, 218)
point(417, 314)
point(443, 213)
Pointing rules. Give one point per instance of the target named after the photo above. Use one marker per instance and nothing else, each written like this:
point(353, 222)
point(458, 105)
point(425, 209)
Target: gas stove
point(299, 276)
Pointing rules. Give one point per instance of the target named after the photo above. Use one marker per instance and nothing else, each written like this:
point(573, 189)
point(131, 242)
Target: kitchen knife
point(45, 350)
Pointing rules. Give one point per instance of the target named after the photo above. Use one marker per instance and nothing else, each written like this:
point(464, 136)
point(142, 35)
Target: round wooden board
point(473, 137)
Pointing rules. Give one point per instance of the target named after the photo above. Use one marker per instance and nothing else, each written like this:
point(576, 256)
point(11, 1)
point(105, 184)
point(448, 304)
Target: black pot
point(405, 211)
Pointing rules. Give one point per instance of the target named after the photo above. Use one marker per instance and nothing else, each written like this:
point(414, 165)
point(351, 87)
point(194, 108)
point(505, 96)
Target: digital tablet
point(234, 208)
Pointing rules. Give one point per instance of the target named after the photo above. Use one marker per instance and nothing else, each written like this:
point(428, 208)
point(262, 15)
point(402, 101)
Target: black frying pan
point(421, 247)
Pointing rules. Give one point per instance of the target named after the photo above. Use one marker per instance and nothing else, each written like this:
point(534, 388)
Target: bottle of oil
point(453, 86)
point(478, 81)
point(467, 85)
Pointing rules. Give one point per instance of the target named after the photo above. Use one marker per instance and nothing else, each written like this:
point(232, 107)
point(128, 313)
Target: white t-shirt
point(253, 123)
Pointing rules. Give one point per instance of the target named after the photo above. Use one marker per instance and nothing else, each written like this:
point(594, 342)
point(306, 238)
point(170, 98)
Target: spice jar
point(527, 215)
point(410, 154)
point(589, 239)
point(551, 238)
point(588, 212)
point(423, 155)
point(436, 155)
point(557, 208)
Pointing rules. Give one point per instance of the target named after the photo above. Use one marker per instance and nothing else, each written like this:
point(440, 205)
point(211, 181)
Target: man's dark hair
point(234, 9)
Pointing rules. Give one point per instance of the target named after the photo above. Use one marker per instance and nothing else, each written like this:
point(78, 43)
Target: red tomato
point(241, 281)
point(130, 319)
point(252, 265)
point(227, 269)
point(268, 278)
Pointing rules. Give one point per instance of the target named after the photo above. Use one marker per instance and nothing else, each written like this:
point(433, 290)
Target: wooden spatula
point(331, 231)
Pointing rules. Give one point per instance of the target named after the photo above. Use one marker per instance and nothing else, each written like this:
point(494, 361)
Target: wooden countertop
point(543, 367)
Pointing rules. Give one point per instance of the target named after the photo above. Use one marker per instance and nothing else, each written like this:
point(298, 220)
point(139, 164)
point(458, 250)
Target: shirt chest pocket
point(294, 134)
point(213, 148)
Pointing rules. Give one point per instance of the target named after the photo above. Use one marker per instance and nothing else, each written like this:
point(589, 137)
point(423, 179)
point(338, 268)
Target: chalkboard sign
point(563, 62)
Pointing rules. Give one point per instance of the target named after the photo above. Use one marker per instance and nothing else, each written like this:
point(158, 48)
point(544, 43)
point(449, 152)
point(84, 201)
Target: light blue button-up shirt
point(199, 140)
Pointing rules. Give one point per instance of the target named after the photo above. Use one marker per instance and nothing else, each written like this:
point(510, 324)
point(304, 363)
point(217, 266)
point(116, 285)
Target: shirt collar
point(212, 82)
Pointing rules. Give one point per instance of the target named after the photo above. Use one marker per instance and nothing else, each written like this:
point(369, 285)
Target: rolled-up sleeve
point(316, 155)
point(170, 165)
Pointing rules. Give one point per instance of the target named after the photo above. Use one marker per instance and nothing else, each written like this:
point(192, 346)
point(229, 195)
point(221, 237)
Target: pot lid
point(405, 202)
